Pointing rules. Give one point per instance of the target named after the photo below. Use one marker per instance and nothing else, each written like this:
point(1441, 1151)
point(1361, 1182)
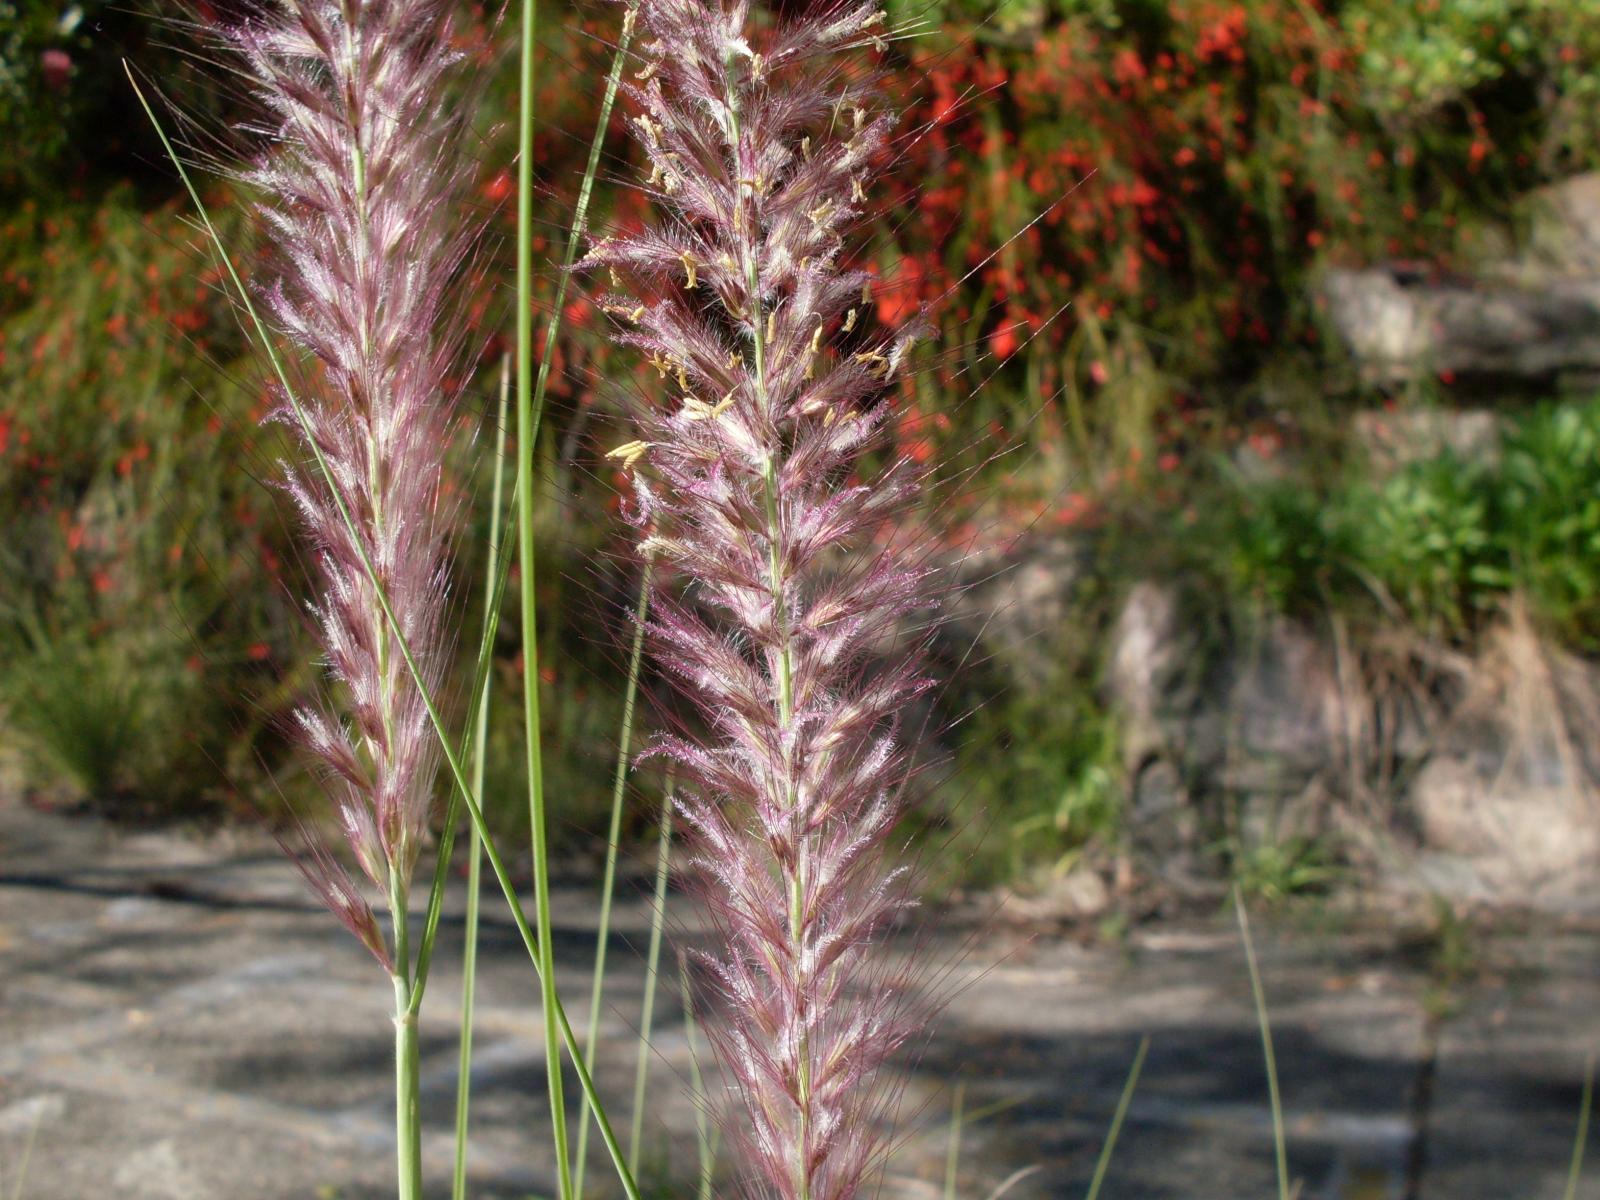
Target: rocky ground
point(177, 1020)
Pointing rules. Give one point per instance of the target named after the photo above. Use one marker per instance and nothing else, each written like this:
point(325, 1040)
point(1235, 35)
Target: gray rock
point(1398, 325)
point(1396, 439)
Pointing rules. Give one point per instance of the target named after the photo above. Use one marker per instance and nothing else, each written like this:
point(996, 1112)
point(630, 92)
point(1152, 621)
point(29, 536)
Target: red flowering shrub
point(1193, 159)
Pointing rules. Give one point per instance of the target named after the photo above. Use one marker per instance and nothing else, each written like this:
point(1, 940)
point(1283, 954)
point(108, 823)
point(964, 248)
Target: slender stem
point(447, 744)
point(407, 1130)
point(705, 1137)
point(952, 1149)
point(1279, 1144)
point(1103, 1163)
point(608, 883)
point(1585, 1106)
point(469, 960)
point(641, 1069)
point(530, 620)
point(579, 223)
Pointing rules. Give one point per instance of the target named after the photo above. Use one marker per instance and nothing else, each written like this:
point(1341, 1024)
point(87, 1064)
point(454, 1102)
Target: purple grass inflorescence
point(358, 184)
point(777, 591)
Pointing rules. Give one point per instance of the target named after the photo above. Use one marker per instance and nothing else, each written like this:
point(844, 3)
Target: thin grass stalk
point(641, 1069)
point(469, 954)
point(448, 747)
point(1581, 1137)
point(608, 881)
point(1103, 1163)
point(706, 1137)
point(580, 218)
point(530, 617)
point(1279, 1142)
point(407, 1124)
point(952, 1150)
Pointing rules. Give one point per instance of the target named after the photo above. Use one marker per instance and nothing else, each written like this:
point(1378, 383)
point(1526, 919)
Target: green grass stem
point(641, 1070)
point(469, 952)
point(1279, 1143)
point(1103, 1164)
point(608, 880)
point(952, 1150)
point(706, 1135)
point(538, 834)
point(1585, 1107)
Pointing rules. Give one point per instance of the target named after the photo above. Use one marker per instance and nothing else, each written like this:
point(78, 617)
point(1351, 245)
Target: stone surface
point(1530, 308)
point(1396, 439)
point(177, 1020)
point(1398, 324)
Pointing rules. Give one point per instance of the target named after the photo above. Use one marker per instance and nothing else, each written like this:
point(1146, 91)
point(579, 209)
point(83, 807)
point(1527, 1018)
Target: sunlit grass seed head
point(359, 184)
point(755, 491)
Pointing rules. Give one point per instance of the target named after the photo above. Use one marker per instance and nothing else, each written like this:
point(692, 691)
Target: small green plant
point(1547, 511)
point(1428, 540)
point(1273, 871)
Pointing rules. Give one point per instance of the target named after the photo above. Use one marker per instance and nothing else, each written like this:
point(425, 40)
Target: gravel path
point(178, 1021)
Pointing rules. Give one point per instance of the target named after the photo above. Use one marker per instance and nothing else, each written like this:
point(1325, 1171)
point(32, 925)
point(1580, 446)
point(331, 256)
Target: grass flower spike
point(360, 181)
point(359, 185)
point(775, 593)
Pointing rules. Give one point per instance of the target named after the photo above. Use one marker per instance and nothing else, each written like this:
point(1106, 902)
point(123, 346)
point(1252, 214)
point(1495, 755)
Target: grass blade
point(448, 747)
point(706, 1136)
point(608, 880)
point(469, 960)
point(641, 1069)
point(1279, 1144)
point(1123, 1101)
point(530, 617)
point(1582, 1136)
point(952, 1150)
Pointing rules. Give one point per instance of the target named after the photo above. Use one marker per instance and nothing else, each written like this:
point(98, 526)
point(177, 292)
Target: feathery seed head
point(760, 138)
point(357, 191)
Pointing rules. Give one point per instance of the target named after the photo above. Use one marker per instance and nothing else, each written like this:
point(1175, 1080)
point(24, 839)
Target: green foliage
point(1046, 775)
point(1427, 538)
point(1275, 544)
point(1274, 870)
point(1547, 501)
point(139, 614)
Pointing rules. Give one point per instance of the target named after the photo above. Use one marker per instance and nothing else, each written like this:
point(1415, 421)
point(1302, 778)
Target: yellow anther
point(629, 453)
point(690, 278)
point(805, 148)
point(828, 418)
point(858, 117)
point(758, 66)
point(877, 18)
point(628, 18)
point(647, 72)
point(651, 129)
point(849, 321)
point(699, 410)
point(857, 195)
point(821, 212)
point(636, 313)
point(866, 292)
point(616, 280)
point(683, 377)
point(657, 176)
point(772, 326)
point(816, 338)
